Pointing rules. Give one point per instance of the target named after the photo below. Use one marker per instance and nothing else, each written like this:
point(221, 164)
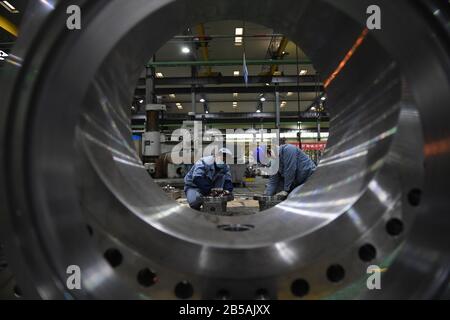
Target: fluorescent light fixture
point(159, 75)
point(8, 6)
point(202, 100)
point(235, 104)
point(290, 94)
point(236, 73)
point(185, 50)
point(173, 96)
point(303, 72)
point(235, 95)
point(179, 106)
point(238, 39)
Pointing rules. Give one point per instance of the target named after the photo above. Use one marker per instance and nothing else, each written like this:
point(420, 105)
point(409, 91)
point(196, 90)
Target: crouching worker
point(295, 168)
point(208, 173)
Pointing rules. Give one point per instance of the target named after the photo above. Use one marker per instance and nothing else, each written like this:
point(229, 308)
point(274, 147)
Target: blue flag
point(245, 71)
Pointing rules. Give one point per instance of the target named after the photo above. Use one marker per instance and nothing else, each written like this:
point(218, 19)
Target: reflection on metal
point(8, 26)
point(375, 195)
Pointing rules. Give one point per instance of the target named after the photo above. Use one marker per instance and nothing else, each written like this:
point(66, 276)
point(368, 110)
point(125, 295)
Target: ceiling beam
point(230, 90)
point(270, 62)
point(203, 81)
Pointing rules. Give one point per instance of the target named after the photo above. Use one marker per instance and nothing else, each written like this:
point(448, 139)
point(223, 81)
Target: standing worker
point(208, 173)
point(295, 168)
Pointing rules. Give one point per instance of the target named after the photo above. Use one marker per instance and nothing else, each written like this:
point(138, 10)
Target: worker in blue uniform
point(208, 173)
point(294, 169)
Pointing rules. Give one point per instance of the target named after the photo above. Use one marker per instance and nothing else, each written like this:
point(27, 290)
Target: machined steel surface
point(73, 190)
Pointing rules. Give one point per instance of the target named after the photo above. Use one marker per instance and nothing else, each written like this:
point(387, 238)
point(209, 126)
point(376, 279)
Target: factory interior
point(221, 150)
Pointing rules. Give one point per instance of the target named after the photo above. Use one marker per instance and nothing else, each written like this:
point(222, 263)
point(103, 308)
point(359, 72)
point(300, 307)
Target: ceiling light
point(202, 100)
point(206, 111)
point(159, 75)
point(290, 94)
point(236, 73)
point(262, 99)
point(185, 50)
point(141, 101)
point(313, 109)
point(258, 111)
point(173, 96)
point(179, 106)
point(267, 84)
point(239, 33)
point(235, 95)
point(303, 72)
point(323, 98)
point(8, 6)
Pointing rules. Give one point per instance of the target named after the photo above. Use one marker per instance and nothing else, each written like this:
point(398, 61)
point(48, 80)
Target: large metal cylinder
point(74, 191)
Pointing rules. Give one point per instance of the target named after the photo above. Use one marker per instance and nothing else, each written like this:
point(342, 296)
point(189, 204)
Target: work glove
point(282, 194)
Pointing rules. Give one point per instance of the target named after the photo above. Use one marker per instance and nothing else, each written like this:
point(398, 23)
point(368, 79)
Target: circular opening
point(146, 277)
point(394, 227)
point(236, 227)
point(300, 288)
point(184, 290)
point(114, 257)
point(414, 197)
point(335, 273)
point(17, 291)
point(261, 294)
point(367, 253)
point(300, 212)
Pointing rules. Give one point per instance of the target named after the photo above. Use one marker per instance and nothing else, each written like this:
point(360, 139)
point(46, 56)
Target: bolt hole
point(367, 253)
point(90, 230)
point(223, 294)
point(184, 290)
point(236, 227)
point(114, 257)
point(146, 277)
point(335, 273)
point(394, 227)
point(17, 292)
point(262, 294)
point(414, 197)
point(300, 288)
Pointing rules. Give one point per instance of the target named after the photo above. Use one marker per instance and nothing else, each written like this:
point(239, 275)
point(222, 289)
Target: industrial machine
point(74, 194)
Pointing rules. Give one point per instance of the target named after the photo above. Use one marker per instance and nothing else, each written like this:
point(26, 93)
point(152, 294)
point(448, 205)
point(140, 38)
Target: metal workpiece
point(74, 191)
point(215, 205)
point(267, 202)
